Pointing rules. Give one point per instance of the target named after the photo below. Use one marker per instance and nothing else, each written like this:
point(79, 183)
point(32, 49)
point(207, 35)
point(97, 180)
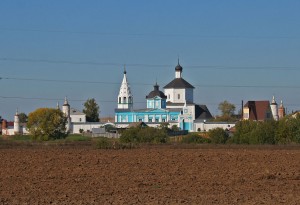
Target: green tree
point(288, 130)
point(226, 108)
point(91, 109)
point(23, 117)
point(109, 128)
point(243, 131)
point(253, 132)
point(47, 123)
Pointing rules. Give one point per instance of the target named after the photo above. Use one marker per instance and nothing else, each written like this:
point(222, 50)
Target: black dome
point(178, 68)
point(156, 92)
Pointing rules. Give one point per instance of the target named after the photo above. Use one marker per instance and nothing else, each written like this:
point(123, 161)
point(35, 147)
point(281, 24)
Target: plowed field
point(150, 175)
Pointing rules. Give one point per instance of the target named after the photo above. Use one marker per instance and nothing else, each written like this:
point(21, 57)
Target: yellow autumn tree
point(47, 123)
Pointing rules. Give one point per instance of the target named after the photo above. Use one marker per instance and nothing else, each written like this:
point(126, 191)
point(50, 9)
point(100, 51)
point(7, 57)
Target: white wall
point(209, 126)
point(85, 127)
point(10, 131)
point(174, 95)
point(76, 118)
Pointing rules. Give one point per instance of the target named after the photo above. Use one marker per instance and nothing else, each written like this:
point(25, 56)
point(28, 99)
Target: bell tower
point(125, 98)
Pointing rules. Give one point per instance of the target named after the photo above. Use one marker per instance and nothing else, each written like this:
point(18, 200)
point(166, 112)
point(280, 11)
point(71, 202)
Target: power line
point(56, 99)
point(69, 81)
point(118, 83)
point(139, 65)
point(182, 35)
point(107, 101)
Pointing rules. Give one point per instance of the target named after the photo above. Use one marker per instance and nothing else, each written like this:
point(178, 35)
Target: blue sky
point(230, 50)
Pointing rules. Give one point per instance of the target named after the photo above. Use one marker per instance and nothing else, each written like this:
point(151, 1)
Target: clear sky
point(230, 50)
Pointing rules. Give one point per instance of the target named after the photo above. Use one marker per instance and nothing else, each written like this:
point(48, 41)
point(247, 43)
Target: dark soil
point(150, 175)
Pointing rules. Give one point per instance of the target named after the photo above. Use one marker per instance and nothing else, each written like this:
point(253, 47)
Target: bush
point(74, 138)
point(288, 130)
point(253, 132)
point(109, 143)
point(144, 135)
point(104, 143)
point(218, 136)
point(194, 138)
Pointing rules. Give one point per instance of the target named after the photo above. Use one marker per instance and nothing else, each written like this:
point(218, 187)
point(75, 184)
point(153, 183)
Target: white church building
point(174, 106)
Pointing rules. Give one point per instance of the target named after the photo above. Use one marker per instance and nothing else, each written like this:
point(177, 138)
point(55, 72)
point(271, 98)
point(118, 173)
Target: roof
point(137, 124)
point(202, 112)
point(169, 103)
point(179, 83)
point(258, 109)
point(156, 92)
point(10, 124)
point(74, 111)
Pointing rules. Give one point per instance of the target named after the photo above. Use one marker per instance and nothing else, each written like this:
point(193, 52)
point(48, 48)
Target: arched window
point(124, 99)
point(178, 96)
point(119, 99)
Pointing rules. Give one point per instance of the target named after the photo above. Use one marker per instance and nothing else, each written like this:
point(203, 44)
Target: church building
point(175, 105)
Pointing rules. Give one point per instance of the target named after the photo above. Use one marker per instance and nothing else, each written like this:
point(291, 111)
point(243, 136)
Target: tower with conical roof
point(66, 111)
point(17, 128)
point(281, 110)
point(274, 109)
point(125, 98)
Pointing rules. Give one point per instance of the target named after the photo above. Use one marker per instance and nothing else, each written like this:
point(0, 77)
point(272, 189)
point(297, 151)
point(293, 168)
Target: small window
point(129, 99)
point(178, 96)
point(150, 120)
point(124, 100)
point(79, 119)
point(119, 99)
point(169, 96)
point(156, 120)
point(164, 120)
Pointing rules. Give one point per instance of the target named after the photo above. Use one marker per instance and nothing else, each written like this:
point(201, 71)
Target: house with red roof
point(257, 110)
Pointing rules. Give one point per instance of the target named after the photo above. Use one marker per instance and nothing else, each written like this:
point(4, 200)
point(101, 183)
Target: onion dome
point(178, 67)
point(156, 92)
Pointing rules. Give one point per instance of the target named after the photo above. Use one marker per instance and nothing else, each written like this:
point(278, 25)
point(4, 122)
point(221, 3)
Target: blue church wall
point(186, 126)
point(156, 103)
point(147, 116)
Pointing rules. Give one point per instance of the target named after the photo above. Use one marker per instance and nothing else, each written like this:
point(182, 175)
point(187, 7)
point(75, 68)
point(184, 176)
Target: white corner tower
point(66, 111)
point(274, 109)
point(125, 98)
point(17, 128)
